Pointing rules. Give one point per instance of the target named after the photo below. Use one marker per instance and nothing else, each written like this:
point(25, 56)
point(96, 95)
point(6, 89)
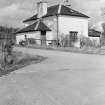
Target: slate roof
point(68, 11)
point(31, 18)
point(37, 26)
point(94, 33)
point(53, 10)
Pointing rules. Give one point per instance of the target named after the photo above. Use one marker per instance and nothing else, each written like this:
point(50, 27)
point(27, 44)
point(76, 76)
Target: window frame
point(73, 36)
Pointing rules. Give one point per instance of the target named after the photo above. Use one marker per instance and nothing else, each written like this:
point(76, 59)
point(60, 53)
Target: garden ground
point(63, 79)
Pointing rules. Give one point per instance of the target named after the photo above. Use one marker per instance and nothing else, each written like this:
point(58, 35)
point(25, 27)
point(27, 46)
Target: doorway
point(43, 38)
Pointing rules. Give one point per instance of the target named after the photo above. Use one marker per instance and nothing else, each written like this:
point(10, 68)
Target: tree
point(7, 54)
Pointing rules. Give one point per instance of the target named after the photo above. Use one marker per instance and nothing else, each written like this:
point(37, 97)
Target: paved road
point(63, 79)
point(58, 60)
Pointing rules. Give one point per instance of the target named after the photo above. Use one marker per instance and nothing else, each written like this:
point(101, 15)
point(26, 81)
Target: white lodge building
point(54, 23)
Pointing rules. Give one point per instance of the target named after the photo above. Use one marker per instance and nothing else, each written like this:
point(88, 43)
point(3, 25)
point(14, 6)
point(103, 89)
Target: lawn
point(84, 50)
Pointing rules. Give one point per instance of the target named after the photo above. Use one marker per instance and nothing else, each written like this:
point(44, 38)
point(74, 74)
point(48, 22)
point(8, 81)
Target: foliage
point(23, 43)
point(9, 47)
point(63, 40)
point(67, 40)
point(25, 59)
point(21, 60)
point(85, 41)
point(32, 41)
point(7, 53)
point(7, 39)
point(8, 29)
point(7, 33)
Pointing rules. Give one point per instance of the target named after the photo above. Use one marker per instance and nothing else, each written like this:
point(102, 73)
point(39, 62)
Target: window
point(73, 36)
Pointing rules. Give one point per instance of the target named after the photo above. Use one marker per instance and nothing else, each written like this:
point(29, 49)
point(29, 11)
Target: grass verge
point(84, 50)
point(21, 60)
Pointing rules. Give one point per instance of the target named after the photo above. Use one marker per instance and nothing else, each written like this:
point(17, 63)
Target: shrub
point(23, 43)
point(32, 41)
point(102, 40)
point(64, 41)
point(85, 41)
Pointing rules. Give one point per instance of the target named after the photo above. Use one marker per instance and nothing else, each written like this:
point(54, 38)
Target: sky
point(13, 12)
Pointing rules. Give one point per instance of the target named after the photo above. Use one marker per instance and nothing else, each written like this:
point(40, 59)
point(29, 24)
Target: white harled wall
point(79, 24)
point(51, 22)
point(19, 37)
point(67, 24)
point(35, 35)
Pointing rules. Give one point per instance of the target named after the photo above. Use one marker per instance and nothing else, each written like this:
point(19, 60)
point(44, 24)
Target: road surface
point(62, 79)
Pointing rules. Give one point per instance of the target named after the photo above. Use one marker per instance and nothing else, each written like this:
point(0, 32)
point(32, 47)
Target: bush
point(32, 41)
point(23, 43)
point(64, 41)
point(102, 41)
point(85, 41)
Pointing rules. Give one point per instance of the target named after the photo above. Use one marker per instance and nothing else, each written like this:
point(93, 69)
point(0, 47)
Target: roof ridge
point(59, 9)
point(32, 17)
point(37, 24)
point(52, 5)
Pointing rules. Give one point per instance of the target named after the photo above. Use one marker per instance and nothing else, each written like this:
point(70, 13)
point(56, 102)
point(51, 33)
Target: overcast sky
point(13, 12)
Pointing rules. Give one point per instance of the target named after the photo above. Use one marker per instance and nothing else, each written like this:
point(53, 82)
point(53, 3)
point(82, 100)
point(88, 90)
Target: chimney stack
point(41, 8)
point(67, 3)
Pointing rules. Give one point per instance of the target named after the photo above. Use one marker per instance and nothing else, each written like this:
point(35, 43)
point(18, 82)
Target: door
point(43, 37)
